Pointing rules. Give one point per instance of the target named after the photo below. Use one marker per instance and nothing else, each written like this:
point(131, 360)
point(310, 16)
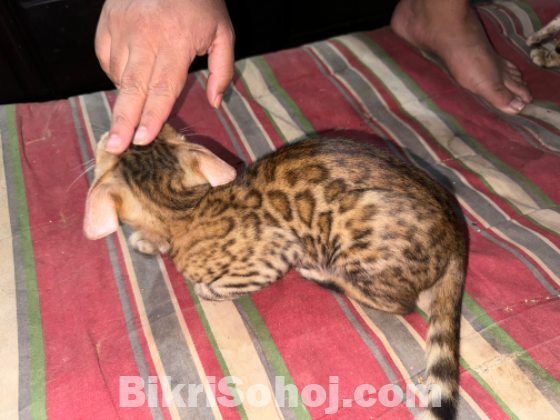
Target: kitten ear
point(101, 217)
point(214, 169)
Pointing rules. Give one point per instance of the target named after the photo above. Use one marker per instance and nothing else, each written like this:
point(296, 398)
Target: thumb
point(220, 65)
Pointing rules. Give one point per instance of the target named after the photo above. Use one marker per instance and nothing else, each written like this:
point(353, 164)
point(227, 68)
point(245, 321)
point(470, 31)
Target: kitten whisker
point(83, 164)
point(81, 175)
point(187, 128)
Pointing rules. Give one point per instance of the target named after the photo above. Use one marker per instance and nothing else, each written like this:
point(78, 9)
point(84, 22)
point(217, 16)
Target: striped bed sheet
point(95, 330)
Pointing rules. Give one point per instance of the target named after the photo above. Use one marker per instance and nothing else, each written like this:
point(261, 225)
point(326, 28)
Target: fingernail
point(140, 136)
point(517, 104)
point(113, 143)
point(218, 101)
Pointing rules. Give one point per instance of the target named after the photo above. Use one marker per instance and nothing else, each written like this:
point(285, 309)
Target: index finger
point(130, 100)
point(167, 82)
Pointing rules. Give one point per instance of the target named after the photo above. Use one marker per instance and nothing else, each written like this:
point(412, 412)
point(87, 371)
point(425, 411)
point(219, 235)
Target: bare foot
point(452, 32)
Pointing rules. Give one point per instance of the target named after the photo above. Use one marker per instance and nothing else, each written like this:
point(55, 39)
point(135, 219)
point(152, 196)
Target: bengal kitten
point(347, 216)
point(540, 55)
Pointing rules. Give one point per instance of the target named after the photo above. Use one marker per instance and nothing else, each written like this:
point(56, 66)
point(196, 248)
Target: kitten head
point(146, 186)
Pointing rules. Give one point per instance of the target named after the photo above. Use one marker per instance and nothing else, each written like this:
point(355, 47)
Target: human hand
point(146, 48)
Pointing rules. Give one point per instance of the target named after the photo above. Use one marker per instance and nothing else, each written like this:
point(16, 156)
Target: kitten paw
point(144, 245)
point(545, 58)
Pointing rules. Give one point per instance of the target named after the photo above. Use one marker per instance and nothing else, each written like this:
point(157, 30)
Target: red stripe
point(516, 22)
point(343, 115)
point(546, 10)
point(391, 104)
point(315, 95)
point(534, 329)
point(489, 130)
point(347, 387)
point(259, 113)
point(413, 124)
point(200, 338)
point(516, 270)
point(380, 343)
point(543, 83)
point(317, 340)
point(85, 336)
point(486, 403)
point(543, 124)
point(126, 280)
point(139, 328)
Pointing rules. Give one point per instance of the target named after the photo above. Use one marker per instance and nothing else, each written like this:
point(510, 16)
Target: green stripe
point(555, 208)
point(504, 338)
point(216, 349)
point(295, 109)
point(454, 124)
point(508, 12)
point(261, 62)
point(509, 342)
point(457, 128)
point(546, 105)
point(488, 389)
point(272, 352)
point(478, 378)
point(36, 347)
point(284, 139)
point(531, 13)
point(500, 334)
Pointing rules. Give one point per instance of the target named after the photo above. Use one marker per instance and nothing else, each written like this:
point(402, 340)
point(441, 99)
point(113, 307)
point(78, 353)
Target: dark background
point(46, 46)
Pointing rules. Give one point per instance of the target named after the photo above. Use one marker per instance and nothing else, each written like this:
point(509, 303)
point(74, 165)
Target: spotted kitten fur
point(345, 215)
point(542, 56)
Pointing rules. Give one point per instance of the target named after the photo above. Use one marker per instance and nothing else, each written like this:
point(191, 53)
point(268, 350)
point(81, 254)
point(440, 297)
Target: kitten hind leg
point(340, 285)
point(228, 288)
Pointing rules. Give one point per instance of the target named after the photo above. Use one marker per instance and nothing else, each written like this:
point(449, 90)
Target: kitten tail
point(442, 351)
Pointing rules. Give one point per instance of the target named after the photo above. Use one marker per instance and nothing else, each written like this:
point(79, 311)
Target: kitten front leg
point(540, 55)
point(545, 58)
point(547, 31)
point(147, 246)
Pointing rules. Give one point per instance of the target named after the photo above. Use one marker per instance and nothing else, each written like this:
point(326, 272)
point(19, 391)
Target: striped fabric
point(78, 316)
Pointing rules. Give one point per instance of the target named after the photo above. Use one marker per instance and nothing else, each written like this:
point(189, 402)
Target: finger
point(220, 65)
point(118, 61)
point(130, 101)
point(168, 79)
point(103, 47)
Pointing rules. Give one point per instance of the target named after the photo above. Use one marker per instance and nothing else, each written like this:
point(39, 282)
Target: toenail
point(517, 104)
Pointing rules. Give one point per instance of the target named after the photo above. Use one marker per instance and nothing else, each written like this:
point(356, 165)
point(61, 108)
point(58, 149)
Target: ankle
point(444, 11)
